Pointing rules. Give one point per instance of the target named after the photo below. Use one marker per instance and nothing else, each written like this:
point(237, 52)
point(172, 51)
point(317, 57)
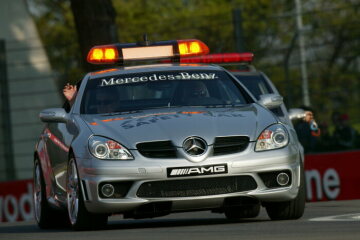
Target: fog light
point(107, 190)
point(282, 179)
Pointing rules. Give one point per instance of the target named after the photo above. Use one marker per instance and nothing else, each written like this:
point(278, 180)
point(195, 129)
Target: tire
point(80, 218)
point(240, 212)
point(289, 210)
point(45, 216)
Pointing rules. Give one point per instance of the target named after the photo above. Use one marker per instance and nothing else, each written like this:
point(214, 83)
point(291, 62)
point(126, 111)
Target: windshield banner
point(158, 77)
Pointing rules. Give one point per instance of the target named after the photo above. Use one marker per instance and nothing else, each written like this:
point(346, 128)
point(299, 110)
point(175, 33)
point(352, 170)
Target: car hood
point(176, 124)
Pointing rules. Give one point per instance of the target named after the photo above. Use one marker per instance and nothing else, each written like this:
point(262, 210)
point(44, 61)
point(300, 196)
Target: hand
point(69, 92)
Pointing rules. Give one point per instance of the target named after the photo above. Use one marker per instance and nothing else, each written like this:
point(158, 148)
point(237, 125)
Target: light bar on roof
point(138, 53)
point(120, 53)
point(218, 58)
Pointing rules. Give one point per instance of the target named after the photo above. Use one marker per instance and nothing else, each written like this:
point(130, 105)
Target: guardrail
point(329, 176)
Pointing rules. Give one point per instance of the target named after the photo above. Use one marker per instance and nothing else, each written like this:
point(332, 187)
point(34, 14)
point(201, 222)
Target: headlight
point(274, 137)
point(104, 148)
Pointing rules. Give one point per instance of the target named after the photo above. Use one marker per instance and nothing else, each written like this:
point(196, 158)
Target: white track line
point(341, 218)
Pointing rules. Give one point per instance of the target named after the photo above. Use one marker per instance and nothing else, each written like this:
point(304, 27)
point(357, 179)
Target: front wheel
point(293, 209)
point(79, 217)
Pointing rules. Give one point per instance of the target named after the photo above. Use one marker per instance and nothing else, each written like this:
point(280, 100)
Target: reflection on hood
point(176, 124)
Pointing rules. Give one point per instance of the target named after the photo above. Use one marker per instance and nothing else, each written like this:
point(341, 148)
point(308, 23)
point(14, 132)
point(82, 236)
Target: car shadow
point(122, 224)
point(33, 228)
point(166, 223)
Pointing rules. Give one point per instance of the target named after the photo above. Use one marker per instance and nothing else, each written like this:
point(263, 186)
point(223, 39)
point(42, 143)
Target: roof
point(245, 73)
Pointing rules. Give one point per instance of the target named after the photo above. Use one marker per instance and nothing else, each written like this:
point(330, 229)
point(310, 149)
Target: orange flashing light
point(192, 47)
point(103, 54)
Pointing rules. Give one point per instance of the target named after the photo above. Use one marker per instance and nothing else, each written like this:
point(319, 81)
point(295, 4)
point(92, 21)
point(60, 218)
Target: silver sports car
point(150, 140)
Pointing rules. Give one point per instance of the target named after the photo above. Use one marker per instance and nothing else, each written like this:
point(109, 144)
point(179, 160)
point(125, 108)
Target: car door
point(58, 156)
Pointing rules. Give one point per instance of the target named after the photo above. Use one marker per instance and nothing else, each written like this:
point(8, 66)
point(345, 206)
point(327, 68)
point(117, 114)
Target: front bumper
point(93, 172)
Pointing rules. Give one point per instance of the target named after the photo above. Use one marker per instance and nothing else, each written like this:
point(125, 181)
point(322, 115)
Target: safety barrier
point(333, 176)
point(16, 201)
point(329, 176)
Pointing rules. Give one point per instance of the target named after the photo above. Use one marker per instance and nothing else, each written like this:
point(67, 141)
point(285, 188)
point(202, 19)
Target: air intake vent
point(228, 145)
point(159, 149)
point(196, 187)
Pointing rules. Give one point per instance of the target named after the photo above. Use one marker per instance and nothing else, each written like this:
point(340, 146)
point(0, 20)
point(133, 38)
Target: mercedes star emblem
point(195, 146)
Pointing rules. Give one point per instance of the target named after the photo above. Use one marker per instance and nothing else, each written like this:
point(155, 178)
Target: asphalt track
point(322, 220)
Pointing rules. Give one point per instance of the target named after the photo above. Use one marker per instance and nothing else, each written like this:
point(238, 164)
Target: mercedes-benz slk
point(150, 140)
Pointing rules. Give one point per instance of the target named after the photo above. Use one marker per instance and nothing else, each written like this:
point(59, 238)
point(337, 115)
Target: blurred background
point(310, 49)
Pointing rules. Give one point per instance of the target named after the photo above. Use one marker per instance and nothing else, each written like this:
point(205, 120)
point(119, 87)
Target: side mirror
point(296, 113)
point(54, 115)
point(271, 100)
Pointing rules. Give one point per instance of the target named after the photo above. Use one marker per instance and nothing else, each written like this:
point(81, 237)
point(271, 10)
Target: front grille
point(228, 145)
point(196, 187)
point(159, 149)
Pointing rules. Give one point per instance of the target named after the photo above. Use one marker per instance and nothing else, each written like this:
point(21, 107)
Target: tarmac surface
point(338, 220)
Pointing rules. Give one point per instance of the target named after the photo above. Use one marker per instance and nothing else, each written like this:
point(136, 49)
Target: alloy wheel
point(37, 192)
point(72, 192)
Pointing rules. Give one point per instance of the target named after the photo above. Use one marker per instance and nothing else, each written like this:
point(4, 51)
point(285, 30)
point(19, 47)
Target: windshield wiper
point(138, 110)
point(224, 105)
point(161, 107)
point(120, 112)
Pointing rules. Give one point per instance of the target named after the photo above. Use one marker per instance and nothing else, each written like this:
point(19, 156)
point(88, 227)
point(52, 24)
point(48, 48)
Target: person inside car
point(70, 92)
point(195, 92)
point(106, 100)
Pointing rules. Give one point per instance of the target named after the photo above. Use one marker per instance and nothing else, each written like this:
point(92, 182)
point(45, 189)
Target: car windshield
point(146, 90)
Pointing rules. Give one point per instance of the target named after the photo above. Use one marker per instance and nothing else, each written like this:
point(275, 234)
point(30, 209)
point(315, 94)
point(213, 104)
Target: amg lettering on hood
point(158, 77)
